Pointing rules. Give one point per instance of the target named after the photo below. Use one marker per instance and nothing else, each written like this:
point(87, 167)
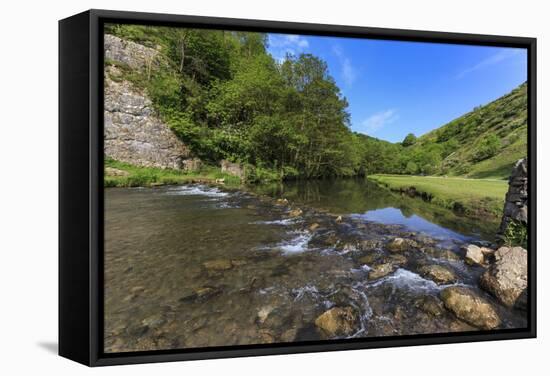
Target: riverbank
point(120, 174)
point(477, 198)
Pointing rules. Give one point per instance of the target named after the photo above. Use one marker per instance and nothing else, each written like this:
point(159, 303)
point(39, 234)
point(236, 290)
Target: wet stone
point(337, 321)
point(380, 270)
point(438, 273)
point(218, 265)
point(432, 305)
point(469, 306)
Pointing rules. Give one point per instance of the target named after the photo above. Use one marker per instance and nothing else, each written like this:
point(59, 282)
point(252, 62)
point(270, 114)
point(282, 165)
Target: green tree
point(409, 140)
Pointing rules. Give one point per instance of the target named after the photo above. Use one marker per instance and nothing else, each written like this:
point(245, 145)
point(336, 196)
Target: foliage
point(487, 148)
point(516, 234)
point(409, 140)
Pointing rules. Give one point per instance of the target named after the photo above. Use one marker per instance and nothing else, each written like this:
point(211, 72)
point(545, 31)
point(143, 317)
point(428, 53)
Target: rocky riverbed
point(195, 266)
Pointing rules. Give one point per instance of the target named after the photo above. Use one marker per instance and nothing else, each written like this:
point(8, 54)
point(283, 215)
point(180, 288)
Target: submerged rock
point(444, 254)
point(238, 262)
point(337, 321)
point(369, 244)
point(431, 304)
point(289, 335)
point(154, 321)
point(473, 255)
point(313, 226)
point(206, 292)
point(506, 279)
point(380, 270)
point(467, 305)
point(369, 259)
point(218, 265)
point(438, 273)
point(264, 312)
point(281, 201)
point(400, 245)
point(396, 259)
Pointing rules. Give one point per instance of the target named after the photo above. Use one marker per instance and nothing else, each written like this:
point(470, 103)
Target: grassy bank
point(472, 197)
point(134, 176)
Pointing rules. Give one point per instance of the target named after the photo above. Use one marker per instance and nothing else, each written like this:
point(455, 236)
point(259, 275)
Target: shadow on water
point(371, 202)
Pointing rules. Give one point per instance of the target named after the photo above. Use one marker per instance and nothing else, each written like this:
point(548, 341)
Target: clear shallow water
point(194, 266)
point(370, 202)
point(414, 222)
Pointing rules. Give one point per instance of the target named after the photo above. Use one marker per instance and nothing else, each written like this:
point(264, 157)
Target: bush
point(516, 234)
point(488, 148)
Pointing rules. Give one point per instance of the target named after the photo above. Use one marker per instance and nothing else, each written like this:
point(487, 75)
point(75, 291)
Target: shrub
point(516, 234)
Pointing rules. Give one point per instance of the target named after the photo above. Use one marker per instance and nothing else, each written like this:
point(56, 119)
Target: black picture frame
point(81, 186)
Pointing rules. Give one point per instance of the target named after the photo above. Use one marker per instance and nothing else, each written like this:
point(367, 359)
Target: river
point(195, 266)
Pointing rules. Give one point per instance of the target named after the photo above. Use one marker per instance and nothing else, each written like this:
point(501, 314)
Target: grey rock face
point(515, 206)
point(506, 279)
point(134, 55)
point(132, 131)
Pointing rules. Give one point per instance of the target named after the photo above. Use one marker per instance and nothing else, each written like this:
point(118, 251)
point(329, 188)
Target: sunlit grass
point(473, 197)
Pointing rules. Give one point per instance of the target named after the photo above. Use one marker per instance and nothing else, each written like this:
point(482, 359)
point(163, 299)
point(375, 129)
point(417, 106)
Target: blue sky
point(394, 88)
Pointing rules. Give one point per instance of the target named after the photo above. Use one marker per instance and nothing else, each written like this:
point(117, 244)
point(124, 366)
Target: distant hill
point(484, 143)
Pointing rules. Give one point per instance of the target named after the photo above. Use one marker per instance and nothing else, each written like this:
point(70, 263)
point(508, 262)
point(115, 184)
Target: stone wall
point(515, 206)
point(133, 132)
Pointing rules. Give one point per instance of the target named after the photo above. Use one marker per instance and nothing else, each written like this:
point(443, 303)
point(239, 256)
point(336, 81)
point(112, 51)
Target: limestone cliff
point(133, 132)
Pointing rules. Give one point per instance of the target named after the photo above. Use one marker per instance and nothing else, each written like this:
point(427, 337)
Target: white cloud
point(488, 61)
point(282, 44)
point(378, 121)
point(347, 70)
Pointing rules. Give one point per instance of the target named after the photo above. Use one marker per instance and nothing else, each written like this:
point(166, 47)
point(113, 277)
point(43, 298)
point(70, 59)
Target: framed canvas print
point(236, 187)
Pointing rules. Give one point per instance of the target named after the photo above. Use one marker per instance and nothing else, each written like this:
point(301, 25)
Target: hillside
point(484, 143)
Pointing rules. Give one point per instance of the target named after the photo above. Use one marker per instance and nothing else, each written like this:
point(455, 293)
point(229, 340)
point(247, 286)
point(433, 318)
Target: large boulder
point(506, 278)
point(467, 305)
point(337, 321)
point(438, 273)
